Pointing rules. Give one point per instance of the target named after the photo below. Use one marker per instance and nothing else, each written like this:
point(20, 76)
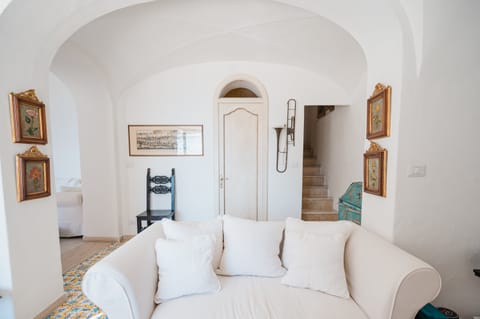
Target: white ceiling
point(133, 43)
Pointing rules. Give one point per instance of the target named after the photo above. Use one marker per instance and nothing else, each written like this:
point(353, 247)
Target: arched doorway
point(242, 107)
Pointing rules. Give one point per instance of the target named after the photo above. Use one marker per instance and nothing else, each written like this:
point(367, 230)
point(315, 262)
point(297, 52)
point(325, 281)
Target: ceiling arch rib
point(136, 42)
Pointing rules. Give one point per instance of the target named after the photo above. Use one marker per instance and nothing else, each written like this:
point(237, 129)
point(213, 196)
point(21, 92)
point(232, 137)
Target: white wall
point(6, 303)
point(64, 130)
point(31, 226)
point(88, 87)
point(185, 95)
point(437, 216)
point(338, 142)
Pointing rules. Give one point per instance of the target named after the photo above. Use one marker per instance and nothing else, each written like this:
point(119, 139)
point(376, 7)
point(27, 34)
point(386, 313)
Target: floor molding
point(127, 237)
point(106, 239)
point(57, 303)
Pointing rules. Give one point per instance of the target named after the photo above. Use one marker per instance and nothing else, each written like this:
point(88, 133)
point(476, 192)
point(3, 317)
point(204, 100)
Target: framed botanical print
point(375, 170)
point(378, 112)
point(33, 175)
point(28, 118)
point(165, 140)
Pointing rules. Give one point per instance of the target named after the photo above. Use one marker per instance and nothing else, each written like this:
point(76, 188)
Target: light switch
point(417, 171)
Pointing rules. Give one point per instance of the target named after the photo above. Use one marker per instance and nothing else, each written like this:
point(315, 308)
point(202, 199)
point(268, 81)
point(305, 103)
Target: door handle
point(222, 181)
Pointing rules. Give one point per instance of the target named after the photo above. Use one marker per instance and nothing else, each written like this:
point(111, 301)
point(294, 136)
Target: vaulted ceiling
point(133, 43)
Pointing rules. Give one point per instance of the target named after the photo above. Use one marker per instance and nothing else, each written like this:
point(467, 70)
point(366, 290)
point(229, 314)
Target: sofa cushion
point(181, 230)
point(245, 297)
point(185, 267)
point(320, 228)
point(251, 248)
point(317, 263)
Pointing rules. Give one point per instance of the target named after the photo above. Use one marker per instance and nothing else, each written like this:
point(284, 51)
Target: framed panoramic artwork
point(375, 170)
point(378, 112)
point(165, 140)
point(33, 175)
point(28, 119)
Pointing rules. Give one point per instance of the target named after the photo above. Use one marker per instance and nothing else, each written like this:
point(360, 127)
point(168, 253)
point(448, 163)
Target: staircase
point(316, 205)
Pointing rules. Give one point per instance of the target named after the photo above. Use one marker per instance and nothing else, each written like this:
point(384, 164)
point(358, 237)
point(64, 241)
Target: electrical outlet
point(417, 171)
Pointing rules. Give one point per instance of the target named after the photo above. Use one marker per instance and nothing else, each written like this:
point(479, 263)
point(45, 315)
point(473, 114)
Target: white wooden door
point(242, 139)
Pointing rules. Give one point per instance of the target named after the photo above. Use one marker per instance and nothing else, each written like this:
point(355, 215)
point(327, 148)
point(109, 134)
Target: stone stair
point(316, 205)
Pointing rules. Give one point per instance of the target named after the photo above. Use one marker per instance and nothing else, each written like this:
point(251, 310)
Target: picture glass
point(30, 121)
point(373, 173)
point(35, 179)
point(377, 110)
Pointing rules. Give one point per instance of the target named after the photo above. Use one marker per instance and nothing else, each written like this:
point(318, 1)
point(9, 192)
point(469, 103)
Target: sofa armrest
point(123, 284)
point(384, 280)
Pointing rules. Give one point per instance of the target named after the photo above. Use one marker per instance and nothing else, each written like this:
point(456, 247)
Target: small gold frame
point(28, 118)
point(33, 175)
point(375, 170)
point(378, 112)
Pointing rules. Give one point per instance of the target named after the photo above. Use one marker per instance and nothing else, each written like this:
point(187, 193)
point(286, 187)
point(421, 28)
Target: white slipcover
point(259, 298)
point(385, 282)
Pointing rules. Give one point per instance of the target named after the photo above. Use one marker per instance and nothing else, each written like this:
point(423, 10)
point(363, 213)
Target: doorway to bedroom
point(64, 136)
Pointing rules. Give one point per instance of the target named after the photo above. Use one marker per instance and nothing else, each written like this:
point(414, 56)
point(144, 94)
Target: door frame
point(261, 101)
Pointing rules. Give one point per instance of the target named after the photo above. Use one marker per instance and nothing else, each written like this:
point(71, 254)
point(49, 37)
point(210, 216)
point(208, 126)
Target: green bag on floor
point(430, 312)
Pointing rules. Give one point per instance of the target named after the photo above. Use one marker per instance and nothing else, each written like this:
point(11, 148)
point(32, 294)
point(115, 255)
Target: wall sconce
point(290, 133)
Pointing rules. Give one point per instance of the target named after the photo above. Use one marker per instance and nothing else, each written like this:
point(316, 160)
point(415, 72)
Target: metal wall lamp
point(290, 133)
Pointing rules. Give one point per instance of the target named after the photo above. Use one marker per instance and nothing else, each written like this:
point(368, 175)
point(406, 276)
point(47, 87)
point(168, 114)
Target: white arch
point(26, 65)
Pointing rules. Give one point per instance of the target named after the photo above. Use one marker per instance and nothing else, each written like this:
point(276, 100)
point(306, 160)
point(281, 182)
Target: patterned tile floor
point(77, 305)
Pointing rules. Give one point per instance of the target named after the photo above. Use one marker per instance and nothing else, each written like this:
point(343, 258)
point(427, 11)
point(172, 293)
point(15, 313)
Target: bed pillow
point(184, 230)
point(251, 248)
point(185, 267)
point(317, 263)
point(319, 228)
point(70, 189)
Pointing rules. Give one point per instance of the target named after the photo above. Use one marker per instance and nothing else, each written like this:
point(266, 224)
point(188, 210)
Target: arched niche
point(243, 88)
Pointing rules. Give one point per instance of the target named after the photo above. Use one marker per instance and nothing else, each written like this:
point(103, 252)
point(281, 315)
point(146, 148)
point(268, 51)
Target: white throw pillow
point(317, 263)
point(185, 267)
point(319, 228)
point(251, 248)
point(184, 230)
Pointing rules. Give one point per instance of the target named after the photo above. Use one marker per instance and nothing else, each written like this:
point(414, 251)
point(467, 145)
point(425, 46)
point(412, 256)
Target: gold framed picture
point(28, 119)
point(378, 112)
point(375, 170)
point(33, 175)
point(165, 140)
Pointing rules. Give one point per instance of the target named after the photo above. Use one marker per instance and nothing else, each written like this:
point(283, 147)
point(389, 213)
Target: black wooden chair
point(160, 188)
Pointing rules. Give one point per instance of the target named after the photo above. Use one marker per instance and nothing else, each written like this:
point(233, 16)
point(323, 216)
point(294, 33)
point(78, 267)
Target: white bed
point(69, 207)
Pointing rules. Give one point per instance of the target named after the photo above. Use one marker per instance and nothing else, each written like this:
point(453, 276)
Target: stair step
point(312, 191)
point(307, 153)
point(321, 204)
point(309, 215)
point(319, 180)
point(308, 161)
point(311, 170)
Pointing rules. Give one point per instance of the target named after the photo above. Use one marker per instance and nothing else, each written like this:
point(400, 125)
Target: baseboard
point(127, 237)
point(105, 239)
point(57, 303)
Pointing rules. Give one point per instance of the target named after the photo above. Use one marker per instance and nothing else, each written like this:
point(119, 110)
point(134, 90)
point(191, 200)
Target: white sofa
point(385, 282)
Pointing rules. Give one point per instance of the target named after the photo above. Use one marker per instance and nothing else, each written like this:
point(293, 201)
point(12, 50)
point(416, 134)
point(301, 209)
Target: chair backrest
point(160, 187)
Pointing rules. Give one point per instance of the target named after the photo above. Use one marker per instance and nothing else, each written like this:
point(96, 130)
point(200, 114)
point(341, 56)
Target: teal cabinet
point(350, 204)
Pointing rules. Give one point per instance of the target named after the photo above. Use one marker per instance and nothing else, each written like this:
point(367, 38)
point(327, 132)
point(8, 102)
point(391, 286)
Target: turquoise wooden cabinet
point(350, 204)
